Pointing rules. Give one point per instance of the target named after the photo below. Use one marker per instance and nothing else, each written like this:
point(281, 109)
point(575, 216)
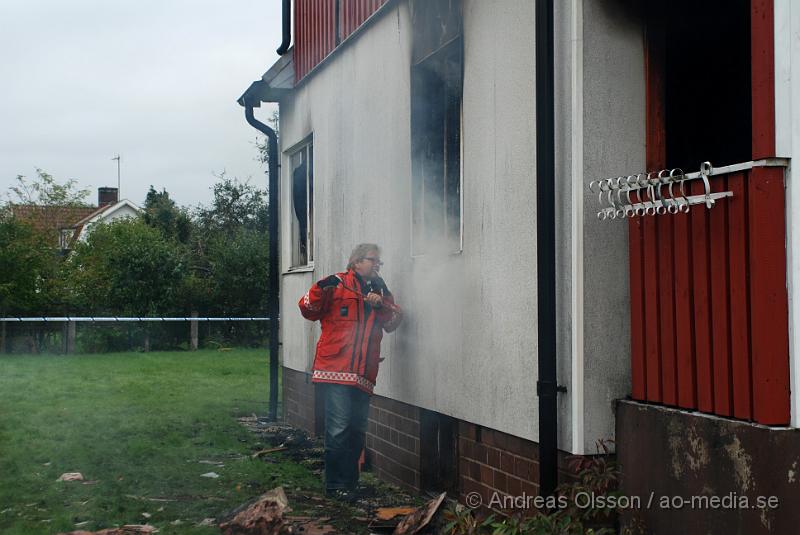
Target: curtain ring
point(650, 208)
point(706, 169)
point(641, 183)
point(630, 211)
point(683, 203)
point(621, 211)
point(661, 207)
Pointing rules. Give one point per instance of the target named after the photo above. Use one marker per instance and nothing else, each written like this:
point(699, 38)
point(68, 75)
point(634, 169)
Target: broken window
point(301, 165)
point(436, 96)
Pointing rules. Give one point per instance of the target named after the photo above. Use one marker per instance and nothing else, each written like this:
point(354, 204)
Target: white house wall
point(468, 347)
point(121, 212)
point(613, 145)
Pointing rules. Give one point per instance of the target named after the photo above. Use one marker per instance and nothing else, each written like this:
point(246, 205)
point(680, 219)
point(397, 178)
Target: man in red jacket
point(354, 308)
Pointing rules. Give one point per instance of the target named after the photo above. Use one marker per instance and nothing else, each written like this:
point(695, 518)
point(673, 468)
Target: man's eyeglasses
point(374, 260)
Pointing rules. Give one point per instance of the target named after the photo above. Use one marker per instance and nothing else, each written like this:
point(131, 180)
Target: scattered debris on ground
point(270, 450)
point(262, 517)
point(70, 476)
point(378, 508)
point(388, 513)
point(419, 519)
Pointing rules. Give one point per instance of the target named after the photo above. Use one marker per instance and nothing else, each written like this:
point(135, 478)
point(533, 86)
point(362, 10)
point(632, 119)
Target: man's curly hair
point(361, 251)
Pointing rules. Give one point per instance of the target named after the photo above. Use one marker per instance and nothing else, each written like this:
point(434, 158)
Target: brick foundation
point(393, 442)
point(492, 462)
point(302, 408)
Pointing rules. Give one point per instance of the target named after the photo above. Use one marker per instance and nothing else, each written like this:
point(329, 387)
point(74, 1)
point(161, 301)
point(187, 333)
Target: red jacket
point(348, 351)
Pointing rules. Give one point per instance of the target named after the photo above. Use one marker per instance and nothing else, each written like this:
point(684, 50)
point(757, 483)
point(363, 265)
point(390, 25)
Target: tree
point(162, 213)
point(44, 190)
point(27, 269)
point(126, 267)
point(235, 205)
point(238, 274)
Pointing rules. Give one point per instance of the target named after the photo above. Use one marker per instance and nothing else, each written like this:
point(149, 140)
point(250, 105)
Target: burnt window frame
point(437, 158)
point(296, 260)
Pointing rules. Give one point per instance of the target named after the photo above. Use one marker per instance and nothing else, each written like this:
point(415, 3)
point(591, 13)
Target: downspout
point(287, 28)
point(546, 386)
point(272, 275)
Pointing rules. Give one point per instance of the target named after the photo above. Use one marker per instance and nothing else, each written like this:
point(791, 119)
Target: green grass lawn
point(138, 425)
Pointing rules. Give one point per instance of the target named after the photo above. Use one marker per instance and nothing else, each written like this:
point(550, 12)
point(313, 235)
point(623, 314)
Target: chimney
point(106, 196)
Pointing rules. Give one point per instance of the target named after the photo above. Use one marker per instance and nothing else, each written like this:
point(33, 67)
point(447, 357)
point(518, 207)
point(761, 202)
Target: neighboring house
point(411, 123)
point(104, 214)
point(56, 221)
point(70, 224)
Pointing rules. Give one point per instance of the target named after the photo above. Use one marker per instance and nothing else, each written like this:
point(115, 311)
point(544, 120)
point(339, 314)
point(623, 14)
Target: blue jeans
point(346, 411)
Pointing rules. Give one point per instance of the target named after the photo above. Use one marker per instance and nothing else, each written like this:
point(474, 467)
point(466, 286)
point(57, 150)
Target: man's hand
point(380, 285)
point(374, 299)
point(329, 283)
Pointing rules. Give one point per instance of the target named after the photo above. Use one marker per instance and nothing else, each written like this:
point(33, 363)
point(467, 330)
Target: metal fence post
point(193, 329)
point(71, 335)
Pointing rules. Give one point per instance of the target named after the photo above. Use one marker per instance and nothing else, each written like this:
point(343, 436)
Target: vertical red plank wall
point(709, 309)
point(353, 13)
point(315, 31)
point(766, 202)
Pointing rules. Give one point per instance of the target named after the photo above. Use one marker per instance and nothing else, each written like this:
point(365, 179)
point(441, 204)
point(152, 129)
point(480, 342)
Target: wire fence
point(90, 334)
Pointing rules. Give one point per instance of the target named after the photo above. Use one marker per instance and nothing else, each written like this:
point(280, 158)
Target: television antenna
point(119, 189)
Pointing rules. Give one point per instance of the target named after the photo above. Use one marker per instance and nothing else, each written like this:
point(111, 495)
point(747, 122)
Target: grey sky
point(153, 80)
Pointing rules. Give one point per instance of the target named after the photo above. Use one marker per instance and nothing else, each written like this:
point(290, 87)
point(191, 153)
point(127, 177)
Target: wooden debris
point(270, 450)
point(420, 518)
point(388, 513)
point(263, 517)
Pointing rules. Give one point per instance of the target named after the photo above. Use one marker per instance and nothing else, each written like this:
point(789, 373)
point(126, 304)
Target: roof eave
point(274, 85)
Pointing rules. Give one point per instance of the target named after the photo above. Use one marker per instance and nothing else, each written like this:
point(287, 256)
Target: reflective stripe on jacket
point(348, 351)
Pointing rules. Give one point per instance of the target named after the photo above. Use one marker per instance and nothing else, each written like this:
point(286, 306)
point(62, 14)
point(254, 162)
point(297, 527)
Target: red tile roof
point(52, 219)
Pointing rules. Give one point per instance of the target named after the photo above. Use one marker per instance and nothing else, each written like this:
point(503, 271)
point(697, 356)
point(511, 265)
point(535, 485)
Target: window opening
point(301, 163)
point(702, 50)
point(436, 125)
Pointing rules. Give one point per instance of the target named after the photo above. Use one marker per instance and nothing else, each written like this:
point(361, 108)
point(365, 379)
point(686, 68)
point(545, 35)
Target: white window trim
point(787, 144)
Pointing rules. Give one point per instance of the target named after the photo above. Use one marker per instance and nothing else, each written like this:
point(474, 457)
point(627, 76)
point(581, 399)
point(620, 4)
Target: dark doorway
point(699, 76)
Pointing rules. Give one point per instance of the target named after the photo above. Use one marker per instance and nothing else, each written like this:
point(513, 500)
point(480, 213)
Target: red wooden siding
point(713, 335)
point(317, 32)
point(353, 13)
point(768, 299)
point(709, 307)
point(762, 48)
